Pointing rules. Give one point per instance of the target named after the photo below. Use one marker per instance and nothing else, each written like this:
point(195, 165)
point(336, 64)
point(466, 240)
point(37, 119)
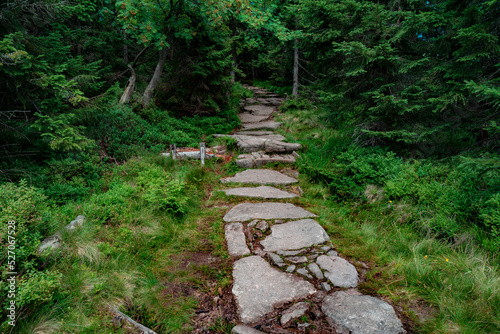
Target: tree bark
point(295, 90)
point(148, 93)
point(127, 94)
point(125, 48)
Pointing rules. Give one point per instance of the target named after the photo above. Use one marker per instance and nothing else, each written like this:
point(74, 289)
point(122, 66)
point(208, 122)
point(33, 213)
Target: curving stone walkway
point(285, 267)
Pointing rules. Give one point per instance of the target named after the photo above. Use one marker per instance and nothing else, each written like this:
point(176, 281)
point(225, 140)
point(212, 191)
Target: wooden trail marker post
point(173, 150)
point(202, 153)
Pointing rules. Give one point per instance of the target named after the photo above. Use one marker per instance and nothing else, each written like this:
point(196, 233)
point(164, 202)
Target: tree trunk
point(148, 93)
point(125, 48)
point(295, 90)
point(127, 94)
point(233, 72)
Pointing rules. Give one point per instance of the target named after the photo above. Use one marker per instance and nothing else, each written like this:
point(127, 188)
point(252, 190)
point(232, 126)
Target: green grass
point(133, 252)
point(442, 283)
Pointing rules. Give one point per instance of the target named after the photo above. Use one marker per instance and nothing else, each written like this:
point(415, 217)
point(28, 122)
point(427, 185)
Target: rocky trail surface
point(287, 275)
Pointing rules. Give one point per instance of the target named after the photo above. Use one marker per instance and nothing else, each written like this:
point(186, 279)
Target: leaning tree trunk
point(295, 90)
point(148, 93)
point(127, 94)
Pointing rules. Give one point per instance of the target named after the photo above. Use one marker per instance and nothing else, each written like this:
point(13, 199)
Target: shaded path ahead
point(287, 276)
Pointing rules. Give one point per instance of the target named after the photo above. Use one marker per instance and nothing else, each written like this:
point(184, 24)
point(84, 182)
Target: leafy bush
point(27, 206)
point(162, 191)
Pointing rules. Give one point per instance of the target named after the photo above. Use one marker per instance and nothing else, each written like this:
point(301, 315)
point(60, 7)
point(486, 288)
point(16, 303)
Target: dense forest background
point(409, 91)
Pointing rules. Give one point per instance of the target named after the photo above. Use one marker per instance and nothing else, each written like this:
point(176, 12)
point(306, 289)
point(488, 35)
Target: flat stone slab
point(294, 312)
point(260, 176)
point(260, 110)
point(250, 118)
point(338, 271)
point(360, 315)
point(235, 238)
point(260, 192)
point(267, 210)
point(258, 287)
point(294, 235)
point(261, 125)
point(244, 161)
point(242, 329)
point(254, 133)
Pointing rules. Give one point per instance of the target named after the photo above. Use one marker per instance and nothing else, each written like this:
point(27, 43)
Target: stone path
point(287, 276)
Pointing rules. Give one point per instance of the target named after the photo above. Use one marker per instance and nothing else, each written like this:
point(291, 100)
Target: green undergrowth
point(423, 233)
point(133, 252)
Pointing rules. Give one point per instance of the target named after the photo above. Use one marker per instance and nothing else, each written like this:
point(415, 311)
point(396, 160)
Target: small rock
point(297, 259)
point(276, 259)
point(241, 329)
point(332, 253)
point(262, 225)
point(313, 267)
point(338, 271)
point(235, 238)
point(52, 242)
point(295, 154)
point(301, 192)
point(294, 312)
point(326, 248)
point(290, 253)
point(291, 268)
point(76, 223)
point(303, 326)
point(325, 286)
point(279, 221)
point(313, 257)
point(303, 271)
point(253, 223)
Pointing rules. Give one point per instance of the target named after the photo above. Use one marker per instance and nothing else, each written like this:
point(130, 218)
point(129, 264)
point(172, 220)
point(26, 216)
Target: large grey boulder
point(338, 271)
point(267, 210)
point(295, 235)
point(235, 238)
point(260, 192)
point(258, 287)
point(350, 314)
point(260, 176)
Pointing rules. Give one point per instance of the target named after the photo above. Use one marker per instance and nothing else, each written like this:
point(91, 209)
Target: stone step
point(260, 110)
point(269, 143)
point(295, 235)
point(258, 288)
point(260, 192)
point(258, 159)
point(268, 210)
point(235, 239)
point(262, 125)
point(253, 133)
point(250, 118)
point(338, 271)
point(358, 314)
point(260, 176)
